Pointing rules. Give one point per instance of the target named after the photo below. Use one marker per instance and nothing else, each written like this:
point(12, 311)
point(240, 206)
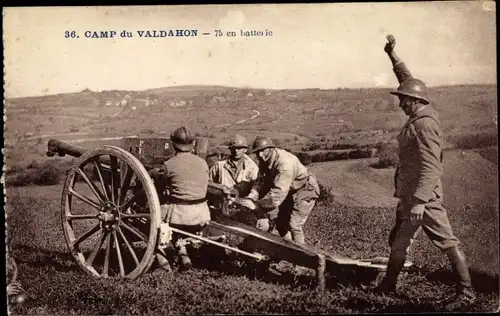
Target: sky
point(323, 46)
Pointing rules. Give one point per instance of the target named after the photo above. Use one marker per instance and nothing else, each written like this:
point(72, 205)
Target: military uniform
point(418, 175)
point(186, 177)
point(230, 173)
point(291, 195)
point(418, 186)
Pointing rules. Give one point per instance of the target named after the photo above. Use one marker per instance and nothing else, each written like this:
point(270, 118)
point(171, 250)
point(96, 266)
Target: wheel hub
point(109, 216)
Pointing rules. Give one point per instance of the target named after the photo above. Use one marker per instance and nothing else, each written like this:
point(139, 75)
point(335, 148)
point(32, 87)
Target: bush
point(361, 153)
point(323, 156)
point(39, 173)
point(311, 146)
point(471, 141)
point(304, 157)
point(325, 195)
point(47, 175)
point(276, 142)
point(388, 156)
point(20, 179)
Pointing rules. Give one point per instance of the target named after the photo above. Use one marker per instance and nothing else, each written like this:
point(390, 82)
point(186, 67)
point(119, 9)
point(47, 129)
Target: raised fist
point(391, 43)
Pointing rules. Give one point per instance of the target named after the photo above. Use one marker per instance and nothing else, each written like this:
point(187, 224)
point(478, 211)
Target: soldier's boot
point(464, 292)
point(184, 260)
point(162, 261)
point(394, 267)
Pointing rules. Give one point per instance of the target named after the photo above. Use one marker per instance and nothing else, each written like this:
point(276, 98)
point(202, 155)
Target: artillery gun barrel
point(61, 148)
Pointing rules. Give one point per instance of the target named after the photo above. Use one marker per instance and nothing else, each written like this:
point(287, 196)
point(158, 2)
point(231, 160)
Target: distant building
point(218, 100)
point(180, 103)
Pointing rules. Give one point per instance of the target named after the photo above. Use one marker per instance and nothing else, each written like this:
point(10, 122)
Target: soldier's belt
point(173, 200)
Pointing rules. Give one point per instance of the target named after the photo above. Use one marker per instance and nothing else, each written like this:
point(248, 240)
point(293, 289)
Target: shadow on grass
point(60, 261)
point(481, 281)
point(65, 262)
point(213, 258)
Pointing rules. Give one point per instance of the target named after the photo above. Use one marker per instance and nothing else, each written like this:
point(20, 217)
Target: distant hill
point(302, 118)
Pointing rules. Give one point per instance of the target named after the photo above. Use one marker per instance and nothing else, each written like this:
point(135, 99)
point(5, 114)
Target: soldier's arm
point(252, 187)
point(429, 151)
point(278, 192)
point(254, 172)
point(398, 66)
point(213, 172)
point(402, 72)
point(256, 187)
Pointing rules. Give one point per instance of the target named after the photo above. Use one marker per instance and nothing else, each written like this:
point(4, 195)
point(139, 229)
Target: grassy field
point(357, 225)
point(57, 285)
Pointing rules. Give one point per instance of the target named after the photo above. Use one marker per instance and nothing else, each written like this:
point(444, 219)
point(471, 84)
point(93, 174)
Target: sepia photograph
point(314, 158)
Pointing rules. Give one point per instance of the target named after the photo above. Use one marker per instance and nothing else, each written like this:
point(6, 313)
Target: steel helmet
point(413, 88)
point(261, 143)
point(182, 139)
point(238, 142)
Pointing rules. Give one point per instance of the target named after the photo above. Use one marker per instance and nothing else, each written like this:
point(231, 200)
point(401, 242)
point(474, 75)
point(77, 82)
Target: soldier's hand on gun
point(391, 43)
point(230, 192)
point(417, 213)
point(155, 173)
point(248, 203)
point(263, 224)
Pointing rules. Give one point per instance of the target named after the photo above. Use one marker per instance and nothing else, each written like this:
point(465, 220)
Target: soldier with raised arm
point(418, 184)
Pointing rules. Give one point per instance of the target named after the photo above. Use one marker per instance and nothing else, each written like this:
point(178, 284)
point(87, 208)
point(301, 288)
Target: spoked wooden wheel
point(110, 213)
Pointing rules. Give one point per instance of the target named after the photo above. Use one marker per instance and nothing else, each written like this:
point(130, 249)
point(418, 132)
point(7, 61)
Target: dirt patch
point(355, 183)
point(490, 153)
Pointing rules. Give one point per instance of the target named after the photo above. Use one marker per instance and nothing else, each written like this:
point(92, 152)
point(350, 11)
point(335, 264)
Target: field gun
point(112, 222)
point(152, 152)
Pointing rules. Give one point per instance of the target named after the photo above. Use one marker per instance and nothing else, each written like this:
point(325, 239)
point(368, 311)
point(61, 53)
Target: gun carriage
point(115, 193)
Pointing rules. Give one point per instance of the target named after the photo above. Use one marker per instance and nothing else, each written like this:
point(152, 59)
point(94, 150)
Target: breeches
point(292, 216)
point(435, 224)
point(189, 218)
point(188, 215)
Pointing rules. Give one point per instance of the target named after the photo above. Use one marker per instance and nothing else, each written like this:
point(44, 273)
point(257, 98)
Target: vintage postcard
point(260, 159)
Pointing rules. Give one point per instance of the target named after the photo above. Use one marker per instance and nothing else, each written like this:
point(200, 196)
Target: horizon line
point(247, 88)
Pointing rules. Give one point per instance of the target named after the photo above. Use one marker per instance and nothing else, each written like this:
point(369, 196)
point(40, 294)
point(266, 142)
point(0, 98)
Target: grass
point(58, 286)
point(46, 172)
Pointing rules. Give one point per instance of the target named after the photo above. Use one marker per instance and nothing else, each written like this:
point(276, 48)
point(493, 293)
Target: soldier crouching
point(288, 191)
